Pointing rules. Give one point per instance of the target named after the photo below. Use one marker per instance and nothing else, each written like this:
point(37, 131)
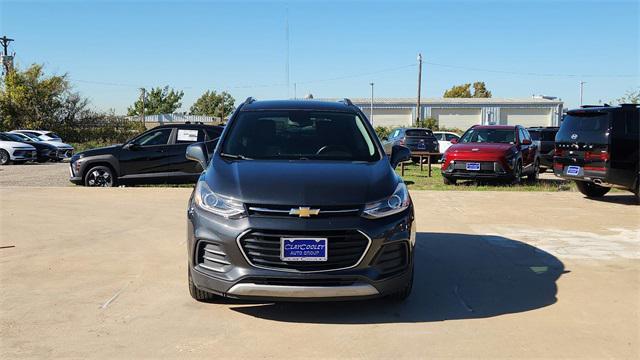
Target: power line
point(528, 73)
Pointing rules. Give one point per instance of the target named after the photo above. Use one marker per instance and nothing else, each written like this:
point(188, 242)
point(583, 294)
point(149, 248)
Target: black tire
point(4, 157)
point(533, 176)
point(402, 294)
point(590, 189)
point(100, 176)
point(197, 294)
point(18, 162)
point(448, 180)
point(516, 177)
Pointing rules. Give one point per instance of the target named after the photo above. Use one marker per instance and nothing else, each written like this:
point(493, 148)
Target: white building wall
point(526, 116)
point(461, 118)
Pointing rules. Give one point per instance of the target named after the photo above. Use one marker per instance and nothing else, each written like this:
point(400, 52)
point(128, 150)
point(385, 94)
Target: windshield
point(419, 132)
point(296, 134)
point(14, 137)
point(503, 136)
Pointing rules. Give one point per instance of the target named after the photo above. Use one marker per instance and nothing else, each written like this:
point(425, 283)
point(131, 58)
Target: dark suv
point(598, 148)
point(155, 156)
point(545, 139)
point(299, 202)
point(416, 139)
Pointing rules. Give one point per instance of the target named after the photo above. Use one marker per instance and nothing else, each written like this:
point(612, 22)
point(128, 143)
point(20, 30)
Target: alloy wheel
point(99, 177)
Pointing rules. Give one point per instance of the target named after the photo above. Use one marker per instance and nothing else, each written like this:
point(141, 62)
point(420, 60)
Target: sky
point(110, 49)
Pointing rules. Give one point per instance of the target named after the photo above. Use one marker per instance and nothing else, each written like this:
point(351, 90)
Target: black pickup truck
point(545, 138)
point(597, 146)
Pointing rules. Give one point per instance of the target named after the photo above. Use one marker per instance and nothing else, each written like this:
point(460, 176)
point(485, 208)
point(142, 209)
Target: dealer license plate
point(422, 145)
point(473, 166)
point(573, 170)
point(303, 249)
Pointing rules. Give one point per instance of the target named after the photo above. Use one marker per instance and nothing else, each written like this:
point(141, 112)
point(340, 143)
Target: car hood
point(58, 144)
point(15, 144)
point(106, 150)
point(300, 183)
point(496, 148)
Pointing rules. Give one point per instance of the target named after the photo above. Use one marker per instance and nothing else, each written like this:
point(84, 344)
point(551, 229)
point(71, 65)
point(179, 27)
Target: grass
point(417, 180)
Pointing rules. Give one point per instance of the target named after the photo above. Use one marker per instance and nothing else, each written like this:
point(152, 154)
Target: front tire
point(517, 173)
point(4, 157)
point(590, 189)
point(448, 180)
point(403, 294)
point(99, 176)
point(197, 294)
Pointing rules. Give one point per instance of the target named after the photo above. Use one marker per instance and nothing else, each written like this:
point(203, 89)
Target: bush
point(99, 128)
point(382, 132)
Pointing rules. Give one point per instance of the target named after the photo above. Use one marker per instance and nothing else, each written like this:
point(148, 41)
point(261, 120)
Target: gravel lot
point(498, 275)
point(47, 174)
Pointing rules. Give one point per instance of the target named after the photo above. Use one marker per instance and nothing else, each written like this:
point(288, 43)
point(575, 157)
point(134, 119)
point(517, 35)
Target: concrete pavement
point(101, 273)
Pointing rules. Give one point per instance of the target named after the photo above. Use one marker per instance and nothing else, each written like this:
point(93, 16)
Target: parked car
point(299, 201)
point(444, 139)
point(63, 151)
point(544, 138)
point(598, 148)
point(45, 151)
point(491, 152)
point(16, 152)
point(416, 139)
point(155, 156)
point(43, 135)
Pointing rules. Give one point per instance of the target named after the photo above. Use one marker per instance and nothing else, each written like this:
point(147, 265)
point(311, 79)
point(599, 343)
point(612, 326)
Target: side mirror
point(131, 146)
point(198, 152)
point(454, 141)
point(526, 142)
point(399, 154)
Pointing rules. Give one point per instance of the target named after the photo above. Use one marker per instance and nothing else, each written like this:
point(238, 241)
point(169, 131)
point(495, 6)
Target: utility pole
point(371, 114)
point(419, 88)
point(7, 61)
point(143, 97)
point(581, 91)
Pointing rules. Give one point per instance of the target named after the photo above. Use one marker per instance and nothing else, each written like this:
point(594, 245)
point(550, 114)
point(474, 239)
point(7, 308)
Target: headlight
point(226, 207)
point(394, 204)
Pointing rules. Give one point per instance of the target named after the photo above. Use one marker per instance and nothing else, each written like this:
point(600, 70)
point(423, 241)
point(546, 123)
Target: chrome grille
point(345, 249)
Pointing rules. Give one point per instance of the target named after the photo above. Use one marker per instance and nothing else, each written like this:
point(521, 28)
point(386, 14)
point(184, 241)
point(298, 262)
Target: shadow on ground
point(622, 199)
point(458, 276)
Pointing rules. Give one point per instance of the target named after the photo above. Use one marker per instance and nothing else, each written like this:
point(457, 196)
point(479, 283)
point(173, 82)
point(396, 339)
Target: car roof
point(191, 125)
point(503, 127)
point(297, 105)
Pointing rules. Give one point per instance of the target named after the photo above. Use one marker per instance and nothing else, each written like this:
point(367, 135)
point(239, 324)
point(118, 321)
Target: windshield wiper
point(235, 156)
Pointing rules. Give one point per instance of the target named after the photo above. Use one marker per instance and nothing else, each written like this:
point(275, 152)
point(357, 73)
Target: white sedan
point(444, 139)
point(16, 152)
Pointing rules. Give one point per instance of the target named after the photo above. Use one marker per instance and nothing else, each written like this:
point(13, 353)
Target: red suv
point(492, 152)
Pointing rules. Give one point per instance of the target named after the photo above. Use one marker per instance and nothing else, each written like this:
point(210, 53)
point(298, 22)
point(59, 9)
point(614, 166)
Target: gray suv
point(299, 202)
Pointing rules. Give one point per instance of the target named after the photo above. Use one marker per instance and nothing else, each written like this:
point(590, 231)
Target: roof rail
point(594, 106)
point(249, 100)
point(629, 105)
point(346, 101)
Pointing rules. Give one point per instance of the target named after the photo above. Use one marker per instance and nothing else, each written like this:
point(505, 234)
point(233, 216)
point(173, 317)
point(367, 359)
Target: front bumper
point(237, 277)
point(24, 155)
point(488, 170)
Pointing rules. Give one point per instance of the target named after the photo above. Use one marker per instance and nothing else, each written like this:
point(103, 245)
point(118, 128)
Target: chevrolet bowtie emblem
point(304, 211)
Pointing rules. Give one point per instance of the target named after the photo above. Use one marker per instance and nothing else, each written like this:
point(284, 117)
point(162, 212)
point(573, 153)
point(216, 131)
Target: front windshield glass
point(15, 137)
point(296, 134)
point(502, 136)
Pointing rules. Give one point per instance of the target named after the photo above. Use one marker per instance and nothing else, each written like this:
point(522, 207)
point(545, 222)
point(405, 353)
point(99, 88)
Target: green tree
point(630, 97)
point(464, 91)
point(158, 101)
point(214, 104)
point(30, 99)
point(458, 91)
point(480, 90)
